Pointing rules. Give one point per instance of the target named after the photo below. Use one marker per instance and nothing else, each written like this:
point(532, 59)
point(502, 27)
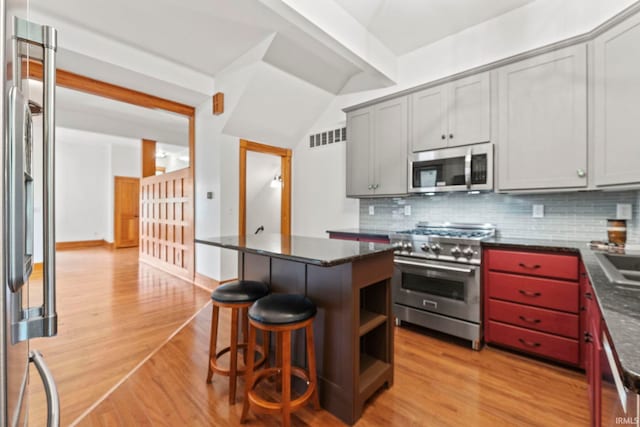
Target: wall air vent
point(328, 137)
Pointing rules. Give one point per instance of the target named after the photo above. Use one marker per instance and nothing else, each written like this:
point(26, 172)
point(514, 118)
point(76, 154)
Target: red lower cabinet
point(539, 343)
point(532, 303)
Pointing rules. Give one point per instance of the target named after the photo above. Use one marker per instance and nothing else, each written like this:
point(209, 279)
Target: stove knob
point(436, 248)
point(407, 246)
point(425, 247)
point(456, 251)
point(469, 252)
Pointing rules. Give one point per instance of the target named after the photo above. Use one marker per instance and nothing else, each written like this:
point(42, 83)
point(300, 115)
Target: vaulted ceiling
point(303, 52)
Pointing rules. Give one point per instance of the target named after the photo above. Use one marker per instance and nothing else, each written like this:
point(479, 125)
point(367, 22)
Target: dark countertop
point(309, 250)
point(620, 305)
point(362, 232)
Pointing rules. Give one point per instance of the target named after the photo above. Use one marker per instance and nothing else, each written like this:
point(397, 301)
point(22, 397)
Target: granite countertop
point(620, 305)
point(362, 232)
point(310, 250)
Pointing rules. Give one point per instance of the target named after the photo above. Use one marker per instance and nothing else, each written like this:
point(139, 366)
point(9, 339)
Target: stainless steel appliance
point(468, 168)
point(436, 281)
point(618, 405)
point(25, 44)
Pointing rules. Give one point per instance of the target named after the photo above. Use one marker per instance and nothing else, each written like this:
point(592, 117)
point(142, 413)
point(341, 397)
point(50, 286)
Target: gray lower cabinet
point(377, 149)
point(616, 102)
point(452, 114)
point(542, 115)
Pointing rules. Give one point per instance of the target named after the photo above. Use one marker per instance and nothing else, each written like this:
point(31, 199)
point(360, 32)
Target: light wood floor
point(113, 313)
point(437, 382)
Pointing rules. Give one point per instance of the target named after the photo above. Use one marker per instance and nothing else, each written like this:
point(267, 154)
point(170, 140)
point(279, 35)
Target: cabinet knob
point(375, 186)
point(450, 136)
point(581, 173)
point(444, 136)
point(370, 187)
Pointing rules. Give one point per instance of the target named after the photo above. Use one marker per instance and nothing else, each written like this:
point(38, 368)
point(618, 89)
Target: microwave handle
point(467, 168)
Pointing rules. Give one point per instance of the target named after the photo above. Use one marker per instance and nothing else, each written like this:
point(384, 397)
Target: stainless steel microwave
point(467, 168)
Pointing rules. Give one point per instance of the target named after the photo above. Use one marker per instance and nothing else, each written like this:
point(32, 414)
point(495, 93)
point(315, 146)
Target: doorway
point(126, 214)
point(272, 182)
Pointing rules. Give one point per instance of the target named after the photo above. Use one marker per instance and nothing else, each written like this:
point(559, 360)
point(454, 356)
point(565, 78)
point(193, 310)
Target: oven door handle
point(435, 266)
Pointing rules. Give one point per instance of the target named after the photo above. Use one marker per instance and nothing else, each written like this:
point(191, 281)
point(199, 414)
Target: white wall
point(319, 173)
point(263, 201)
point(86, 163)
point(82, 188)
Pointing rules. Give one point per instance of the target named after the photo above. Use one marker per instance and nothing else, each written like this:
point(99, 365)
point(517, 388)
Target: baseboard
point(60, 246)
point(205, 281)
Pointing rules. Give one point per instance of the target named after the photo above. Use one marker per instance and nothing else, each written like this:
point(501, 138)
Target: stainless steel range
point(436, 281)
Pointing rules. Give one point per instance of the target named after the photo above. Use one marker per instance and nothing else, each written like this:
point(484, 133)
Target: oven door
point(440, 287)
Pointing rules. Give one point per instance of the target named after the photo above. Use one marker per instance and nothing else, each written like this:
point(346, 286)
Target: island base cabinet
point(353, 332)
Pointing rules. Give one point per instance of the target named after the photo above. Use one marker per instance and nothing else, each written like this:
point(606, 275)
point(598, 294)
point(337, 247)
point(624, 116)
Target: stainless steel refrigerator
point(26, 47)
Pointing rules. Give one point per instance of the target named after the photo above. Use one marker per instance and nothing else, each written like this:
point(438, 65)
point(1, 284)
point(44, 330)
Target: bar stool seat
point(282, 309)
point(238, 296)
point(282, 314)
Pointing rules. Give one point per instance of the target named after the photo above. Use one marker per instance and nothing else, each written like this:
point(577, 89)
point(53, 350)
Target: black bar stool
point(282, 314)
point(238, 296)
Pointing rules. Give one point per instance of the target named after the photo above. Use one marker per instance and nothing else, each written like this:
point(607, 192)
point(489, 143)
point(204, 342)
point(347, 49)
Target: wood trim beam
point(285, 200)
point(242, 196)
point(148, 157)
point(81, 83)
point(263, 148)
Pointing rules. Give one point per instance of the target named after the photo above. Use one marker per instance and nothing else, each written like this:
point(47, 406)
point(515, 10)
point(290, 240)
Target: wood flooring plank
point(113, 312)
point(438, 383)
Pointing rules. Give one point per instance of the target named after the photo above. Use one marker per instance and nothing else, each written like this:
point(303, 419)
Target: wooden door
point(429, 127)
point(359, 152)
point(469, 110)
point(390, 148)
point(542, 137)
point(617, 102)
point(127, 212)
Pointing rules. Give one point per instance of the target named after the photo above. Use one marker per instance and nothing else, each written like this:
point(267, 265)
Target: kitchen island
point(350, 282)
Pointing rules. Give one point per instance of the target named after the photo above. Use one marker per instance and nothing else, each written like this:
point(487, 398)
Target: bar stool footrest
point(265, 406)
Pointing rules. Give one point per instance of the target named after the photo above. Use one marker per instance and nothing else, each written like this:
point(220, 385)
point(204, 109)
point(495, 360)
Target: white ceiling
point(406, 25)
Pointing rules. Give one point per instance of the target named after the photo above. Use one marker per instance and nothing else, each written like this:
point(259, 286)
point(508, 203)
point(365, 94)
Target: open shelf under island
point(350, 282)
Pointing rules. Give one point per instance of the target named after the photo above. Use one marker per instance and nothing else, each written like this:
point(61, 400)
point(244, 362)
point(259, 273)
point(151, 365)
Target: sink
point(621, 269)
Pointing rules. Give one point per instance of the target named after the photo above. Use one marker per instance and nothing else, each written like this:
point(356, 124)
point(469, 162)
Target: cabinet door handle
point(444, 136)
point(529, 267)
point(587, 337)
point(529, 294)
point(529, 343)
point(529, 320)
point(450, 136)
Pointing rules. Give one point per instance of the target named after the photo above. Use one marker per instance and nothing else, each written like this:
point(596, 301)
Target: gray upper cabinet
point(616, 101)
point(390, 152)
point(542, 131)
point(453, 114)
point(359, 152)
point(377, 149)
point(429, 124)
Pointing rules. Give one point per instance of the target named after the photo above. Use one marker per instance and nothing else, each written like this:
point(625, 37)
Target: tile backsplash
point(578, 216)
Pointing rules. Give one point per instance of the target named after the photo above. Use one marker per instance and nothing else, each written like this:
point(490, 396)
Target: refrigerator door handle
point(42, 321)
point(53, 399)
